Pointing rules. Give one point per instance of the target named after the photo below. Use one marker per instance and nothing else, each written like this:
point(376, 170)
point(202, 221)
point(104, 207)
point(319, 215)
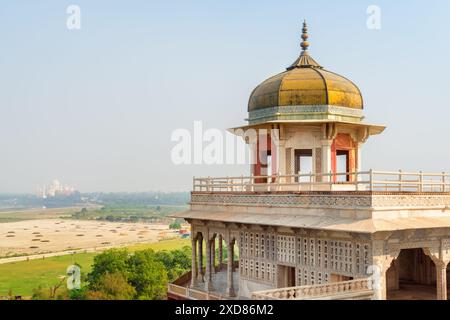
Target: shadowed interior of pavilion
point(412, 276)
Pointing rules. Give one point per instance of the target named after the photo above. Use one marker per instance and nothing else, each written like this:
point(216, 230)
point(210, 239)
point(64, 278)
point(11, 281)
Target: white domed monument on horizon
point(55, 189)
point(308, 222)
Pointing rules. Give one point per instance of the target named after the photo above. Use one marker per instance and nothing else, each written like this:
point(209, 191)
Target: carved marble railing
point(353, 289)
point(397, 181)
point(190, 293)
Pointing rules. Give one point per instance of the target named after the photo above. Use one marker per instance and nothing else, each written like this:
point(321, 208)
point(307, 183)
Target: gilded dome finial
point(305, 36)
point(304, 60)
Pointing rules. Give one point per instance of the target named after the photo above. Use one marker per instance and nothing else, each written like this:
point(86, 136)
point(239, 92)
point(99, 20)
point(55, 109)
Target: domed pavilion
point(308, 222)
point(317, 116)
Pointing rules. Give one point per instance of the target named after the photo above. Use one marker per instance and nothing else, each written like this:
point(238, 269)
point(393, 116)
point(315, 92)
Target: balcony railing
point(353, 289)
point(395, 181)
point(191, 294)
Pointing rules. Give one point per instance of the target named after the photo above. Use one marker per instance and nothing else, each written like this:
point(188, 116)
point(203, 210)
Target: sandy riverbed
point(53, 235)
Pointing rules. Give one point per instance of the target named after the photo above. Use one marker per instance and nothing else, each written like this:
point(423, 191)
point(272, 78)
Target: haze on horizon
point(95, 108)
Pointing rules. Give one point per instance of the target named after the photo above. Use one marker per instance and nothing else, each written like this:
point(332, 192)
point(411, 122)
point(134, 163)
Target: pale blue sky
point(95, 108)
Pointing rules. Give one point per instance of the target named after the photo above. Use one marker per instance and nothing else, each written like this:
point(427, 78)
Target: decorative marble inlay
point(394, 248)
point(410, 200)
point(305, 111)
point(333, 199)
point(294, 200)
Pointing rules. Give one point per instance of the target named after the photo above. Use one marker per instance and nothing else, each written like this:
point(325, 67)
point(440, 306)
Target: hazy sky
point(96, 107)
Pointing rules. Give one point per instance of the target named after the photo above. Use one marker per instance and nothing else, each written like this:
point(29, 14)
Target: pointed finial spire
point(305, 36)
point(305, 60)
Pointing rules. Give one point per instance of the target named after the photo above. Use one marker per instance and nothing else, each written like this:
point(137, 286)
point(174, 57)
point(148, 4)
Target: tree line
point(117, 274)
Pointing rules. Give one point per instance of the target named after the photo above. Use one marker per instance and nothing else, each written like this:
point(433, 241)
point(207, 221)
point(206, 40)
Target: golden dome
point(305, 83)
point(306, 86)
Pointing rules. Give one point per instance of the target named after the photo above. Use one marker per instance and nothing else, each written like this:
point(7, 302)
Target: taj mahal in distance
point(308, 221)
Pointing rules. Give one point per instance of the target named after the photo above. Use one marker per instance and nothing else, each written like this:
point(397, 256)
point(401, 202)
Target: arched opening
point(232, 268)
point(212, 270)
point(412, 276)
point(219, 253)
point(343, 157)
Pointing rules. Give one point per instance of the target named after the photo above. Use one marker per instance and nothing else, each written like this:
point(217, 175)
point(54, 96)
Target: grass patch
point(161, 245)
point(37, 214)
point(24, 276)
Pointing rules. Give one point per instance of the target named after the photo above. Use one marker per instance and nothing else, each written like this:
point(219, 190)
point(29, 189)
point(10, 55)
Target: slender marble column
point(230, 285)
point(208, 282)
point(358, 157)
point(200, 258)
point(326, 158)
point(380, 267)
point(232, 257)
point(213, 255)
point(194, 263)
point(441, 281)
point(220, 252)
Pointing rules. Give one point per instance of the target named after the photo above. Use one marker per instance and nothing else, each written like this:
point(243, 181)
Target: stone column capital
point(439, 256)
point(326, 142)
point(385, 261)
point(382, 259)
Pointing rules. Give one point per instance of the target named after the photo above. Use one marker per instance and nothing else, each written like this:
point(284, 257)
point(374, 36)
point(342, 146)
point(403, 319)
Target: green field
point(94, 212)
point(37, 214)
point(24, 276)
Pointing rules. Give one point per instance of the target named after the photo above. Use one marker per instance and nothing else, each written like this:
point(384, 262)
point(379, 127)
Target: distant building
point(55, 189)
